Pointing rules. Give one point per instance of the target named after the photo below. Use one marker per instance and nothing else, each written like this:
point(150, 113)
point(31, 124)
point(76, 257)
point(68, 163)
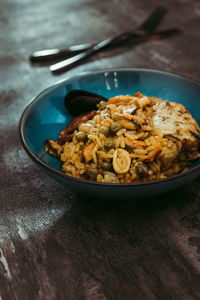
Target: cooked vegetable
point(87, 152)
point(104, 130)
point(109, 144)
point(92, 173)
point(81, 136)
point(115, 127)
point(105, 165)
point(154, 154)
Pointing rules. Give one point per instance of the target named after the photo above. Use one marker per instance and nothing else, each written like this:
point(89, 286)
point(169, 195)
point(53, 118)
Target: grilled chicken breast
point(173, 121)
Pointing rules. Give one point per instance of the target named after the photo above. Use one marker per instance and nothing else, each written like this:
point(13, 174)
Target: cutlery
point(72, 61)
point(51, 54)
point(149, 25)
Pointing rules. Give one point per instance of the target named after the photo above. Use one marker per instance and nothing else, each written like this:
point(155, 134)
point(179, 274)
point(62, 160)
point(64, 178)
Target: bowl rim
point(85, 181)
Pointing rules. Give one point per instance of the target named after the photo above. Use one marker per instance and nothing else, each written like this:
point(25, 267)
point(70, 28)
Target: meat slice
point(174, 122)
point(67, 133)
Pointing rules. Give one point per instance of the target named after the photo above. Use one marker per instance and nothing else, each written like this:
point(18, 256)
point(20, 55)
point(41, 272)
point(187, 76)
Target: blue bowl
point(46, 115)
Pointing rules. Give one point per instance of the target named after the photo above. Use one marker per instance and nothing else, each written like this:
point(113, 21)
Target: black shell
point(79, 101)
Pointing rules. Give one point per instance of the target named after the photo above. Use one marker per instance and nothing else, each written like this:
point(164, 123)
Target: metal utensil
point(51, 54)
point(149, 25)
point(71, 62)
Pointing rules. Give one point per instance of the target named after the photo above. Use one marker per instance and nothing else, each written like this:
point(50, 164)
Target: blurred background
point(52, 245)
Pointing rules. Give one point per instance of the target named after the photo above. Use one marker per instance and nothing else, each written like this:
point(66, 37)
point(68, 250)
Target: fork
point(148, 26)
point(71, 62)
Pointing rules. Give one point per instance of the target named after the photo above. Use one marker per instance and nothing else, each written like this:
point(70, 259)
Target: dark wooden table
point(54, 245)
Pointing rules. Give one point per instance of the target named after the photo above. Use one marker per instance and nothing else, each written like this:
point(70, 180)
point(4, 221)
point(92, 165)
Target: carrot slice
point(151, 158)
point(87, 152)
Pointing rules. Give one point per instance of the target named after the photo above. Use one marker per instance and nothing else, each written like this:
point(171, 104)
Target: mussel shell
point(79, 101)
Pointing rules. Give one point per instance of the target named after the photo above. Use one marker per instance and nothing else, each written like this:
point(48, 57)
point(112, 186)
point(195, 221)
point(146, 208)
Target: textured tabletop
point(53, 244)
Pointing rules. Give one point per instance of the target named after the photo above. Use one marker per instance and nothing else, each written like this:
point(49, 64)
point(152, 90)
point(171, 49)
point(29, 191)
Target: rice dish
point(128, 139)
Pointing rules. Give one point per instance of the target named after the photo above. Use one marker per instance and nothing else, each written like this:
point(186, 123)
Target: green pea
point(109, 144)
point(81, 136)
point(104, 130)
point(102, 105)
point(115, 127)
point(106, 165)
point(93, 173)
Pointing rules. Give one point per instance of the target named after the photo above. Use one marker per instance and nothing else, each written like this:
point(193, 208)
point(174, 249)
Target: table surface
point(53, 244)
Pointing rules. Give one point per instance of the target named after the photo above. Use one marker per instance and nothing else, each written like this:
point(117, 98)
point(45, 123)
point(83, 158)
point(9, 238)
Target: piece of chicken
point(174, 122)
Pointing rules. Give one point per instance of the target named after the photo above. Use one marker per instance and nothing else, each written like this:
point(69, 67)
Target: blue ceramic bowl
point(46, 115)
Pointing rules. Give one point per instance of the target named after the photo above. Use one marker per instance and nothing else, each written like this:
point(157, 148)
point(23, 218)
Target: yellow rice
point(147, 151)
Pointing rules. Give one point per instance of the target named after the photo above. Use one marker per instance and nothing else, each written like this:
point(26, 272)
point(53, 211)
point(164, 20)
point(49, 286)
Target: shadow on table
point(111, 248)
point(174, 198)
